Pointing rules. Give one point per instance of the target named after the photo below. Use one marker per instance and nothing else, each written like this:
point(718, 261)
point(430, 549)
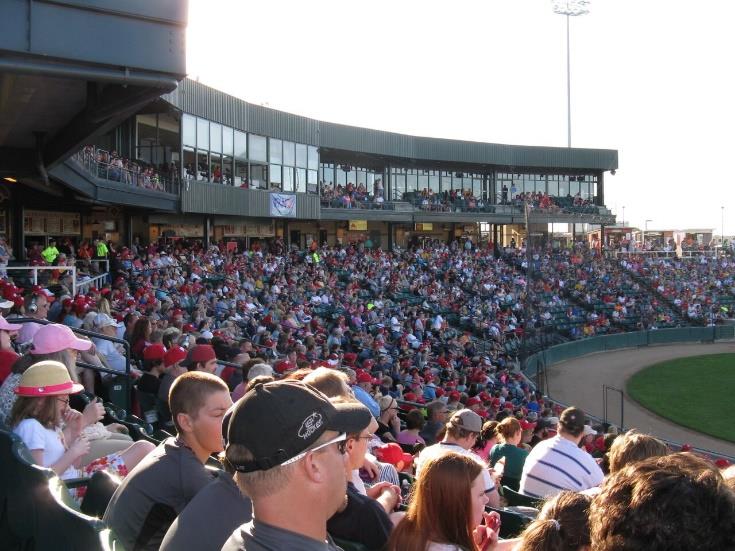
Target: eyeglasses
point(64, 400)
point(339, 440)
point(367, 437)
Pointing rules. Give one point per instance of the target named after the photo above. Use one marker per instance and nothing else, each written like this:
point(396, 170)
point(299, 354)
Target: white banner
point(283, 205)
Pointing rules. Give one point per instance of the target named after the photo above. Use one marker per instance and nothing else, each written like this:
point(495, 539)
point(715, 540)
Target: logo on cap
point(310, 425)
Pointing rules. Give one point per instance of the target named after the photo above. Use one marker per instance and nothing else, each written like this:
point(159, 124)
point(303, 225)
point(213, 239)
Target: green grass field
point(696, 392)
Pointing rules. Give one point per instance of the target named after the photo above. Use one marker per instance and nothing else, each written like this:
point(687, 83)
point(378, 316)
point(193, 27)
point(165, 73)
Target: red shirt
point(7, 359)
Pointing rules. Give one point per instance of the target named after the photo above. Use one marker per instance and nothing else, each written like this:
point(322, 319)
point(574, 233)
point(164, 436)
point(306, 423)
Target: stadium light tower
point(645, 229)
point(570, 8)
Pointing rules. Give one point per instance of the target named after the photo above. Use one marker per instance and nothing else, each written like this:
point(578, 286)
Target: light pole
point(722, 235)
point(570, 8)
point(645, 229)
point(623, 215)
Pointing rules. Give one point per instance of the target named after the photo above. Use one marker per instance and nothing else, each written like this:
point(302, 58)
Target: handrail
point(75, 285)
point(92, 334)
point(106, 171)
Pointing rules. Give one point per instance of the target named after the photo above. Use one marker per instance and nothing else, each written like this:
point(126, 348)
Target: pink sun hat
point(5, 326)
point(55, 337)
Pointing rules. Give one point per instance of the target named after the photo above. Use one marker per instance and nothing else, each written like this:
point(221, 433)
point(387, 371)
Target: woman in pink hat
point(53, 432)
point(8, 355)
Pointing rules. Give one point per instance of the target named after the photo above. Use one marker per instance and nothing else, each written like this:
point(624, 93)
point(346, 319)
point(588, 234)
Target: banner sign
point(283, 205)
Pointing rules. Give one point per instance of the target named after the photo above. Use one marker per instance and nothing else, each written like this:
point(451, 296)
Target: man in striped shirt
point(558, 463)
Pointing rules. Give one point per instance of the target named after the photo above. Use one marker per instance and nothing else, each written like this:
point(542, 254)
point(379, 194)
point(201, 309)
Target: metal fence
point(575, 349)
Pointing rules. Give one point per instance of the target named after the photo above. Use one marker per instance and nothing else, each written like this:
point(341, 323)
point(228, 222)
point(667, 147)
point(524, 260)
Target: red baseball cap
point(393, 454)
point(474, 401)
point(154, 352)
point(199, 353)
point(365, 378)
point(454, 395)
point(176, 354)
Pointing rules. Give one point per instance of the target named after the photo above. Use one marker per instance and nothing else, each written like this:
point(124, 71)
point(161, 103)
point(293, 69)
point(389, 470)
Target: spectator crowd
point(340, 395)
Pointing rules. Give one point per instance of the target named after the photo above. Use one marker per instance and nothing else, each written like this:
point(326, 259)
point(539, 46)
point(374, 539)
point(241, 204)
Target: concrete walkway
point(579, 382)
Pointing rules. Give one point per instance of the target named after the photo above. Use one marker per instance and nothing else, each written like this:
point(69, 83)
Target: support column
point(391, 237)
point(207, 232)
point(129, 229)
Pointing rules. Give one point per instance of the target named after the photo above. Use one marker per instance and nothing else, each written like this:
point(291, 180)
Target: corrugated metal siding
point(203, 101)
point(208, 198)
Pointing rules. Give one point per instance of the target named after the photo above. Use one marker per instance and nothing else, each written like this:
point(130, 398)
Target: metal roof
point(206, 102)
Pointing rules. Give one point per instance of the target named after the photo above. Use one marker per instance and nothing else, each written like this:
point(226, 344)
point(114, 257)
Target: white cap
point(207, 335)
point(260, 369)
point(103, 320)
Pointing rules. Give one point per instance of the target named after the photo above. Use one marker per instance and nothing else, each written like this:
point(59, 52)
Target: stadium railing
point(77, 285)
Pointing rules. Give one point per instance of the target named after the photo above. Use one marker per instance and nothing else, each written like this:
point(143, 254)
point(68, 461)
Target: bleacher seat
point(33, 514)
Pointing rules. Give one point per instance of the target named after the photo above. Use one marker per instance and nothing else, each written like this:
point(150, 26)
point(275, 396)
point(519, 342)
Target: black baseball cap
point(279, 420)
point(572, 419)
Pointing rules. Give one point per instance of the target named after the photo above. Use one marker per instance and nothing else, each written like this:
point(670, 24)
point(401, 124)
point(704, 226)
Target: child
point(52, 431)
point(147, 502)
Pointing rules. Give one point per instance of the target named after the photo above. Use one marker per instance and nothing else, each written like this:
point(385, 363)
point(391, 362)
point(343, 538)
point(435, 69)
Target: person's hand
point(393, 495)
point(486, 535)
point(93, 412)
point(74, 420)
point(371, 469)
point(374, 491)
point(80, 447)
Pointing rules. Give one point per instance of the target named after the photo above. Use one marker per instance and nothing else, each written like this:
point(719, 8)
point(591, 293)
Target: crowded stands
point(365, 384)
point(109, 165)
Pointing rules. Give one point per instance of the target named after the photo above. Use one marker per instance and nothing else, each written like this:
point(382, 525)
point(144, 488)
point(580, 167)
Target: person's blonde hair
point(632, 447)
point(328, 381)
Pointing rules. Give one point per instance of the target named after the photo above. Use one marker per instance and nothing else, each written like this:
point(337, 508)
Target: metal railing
point(667, 254)
point(139, 178)
point(77, 285)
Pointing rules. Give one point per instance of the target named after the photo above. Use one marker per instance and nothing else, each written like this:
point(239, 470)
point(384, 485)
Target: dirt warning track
point(579, 382)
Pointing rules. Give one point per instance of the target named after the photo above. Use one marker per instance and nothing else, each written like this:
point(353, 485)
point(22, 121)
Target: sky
point(653, 79)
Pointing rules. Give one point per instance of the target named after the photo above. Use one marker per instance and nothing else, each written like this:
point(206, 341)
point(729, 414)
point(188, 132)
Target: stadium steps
point(677, 314)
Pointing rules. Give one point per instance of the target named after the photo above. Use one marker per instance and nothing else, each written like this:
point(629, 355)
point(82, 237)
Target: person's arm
point(79, 448)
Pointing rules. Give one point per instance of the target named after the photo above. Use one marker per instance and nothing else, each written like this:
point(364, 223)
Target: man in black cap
point(558, 463)
point(287, 443)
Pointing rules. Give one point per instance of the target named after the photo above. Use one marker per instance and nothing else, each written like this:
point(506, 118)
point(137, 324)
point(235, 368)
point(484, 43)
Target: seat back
point(511, 524)
point(516, 498)
point(99, 493)
point(31, 515)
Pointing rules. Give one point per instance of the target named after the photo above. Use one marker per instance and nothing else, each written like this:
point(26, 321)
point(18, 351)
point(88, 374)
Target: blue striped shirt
point(558, 464)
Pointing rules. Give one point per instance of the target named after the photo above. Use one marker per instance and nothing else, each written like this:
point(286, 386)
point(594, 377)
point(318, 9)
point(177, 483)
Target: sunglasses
point(340, 440)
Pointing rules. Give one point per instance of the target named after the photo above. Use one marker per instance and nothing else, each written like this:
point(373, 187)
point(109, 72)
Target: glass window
point(434, 183)
point(227, 145)
point(215, 168)
point(190, 163)
point(301, 155)
point(215, 137)
point(423, 182)
point(341, 177)
point(399, 186)
point(275, 151)
point(361, 178)
point(573, 185)
point(327, 175)
point(258, 149)
point(289, 153)
point(275, 177)
point(241, 145)
point(241, 173)
point(301, 180)
point(411, 183)
point(189, 130)
point(288, 183)
point(313, 157)
point(202, 134)
point(259, 176)
point(202, 166)
point(312, 181)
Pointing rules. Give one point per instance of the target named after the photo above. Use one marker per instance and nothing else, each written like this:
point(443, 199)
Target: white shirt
point(443, 448)
point(558, 464)
point(37, 437)
point(112, 355)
